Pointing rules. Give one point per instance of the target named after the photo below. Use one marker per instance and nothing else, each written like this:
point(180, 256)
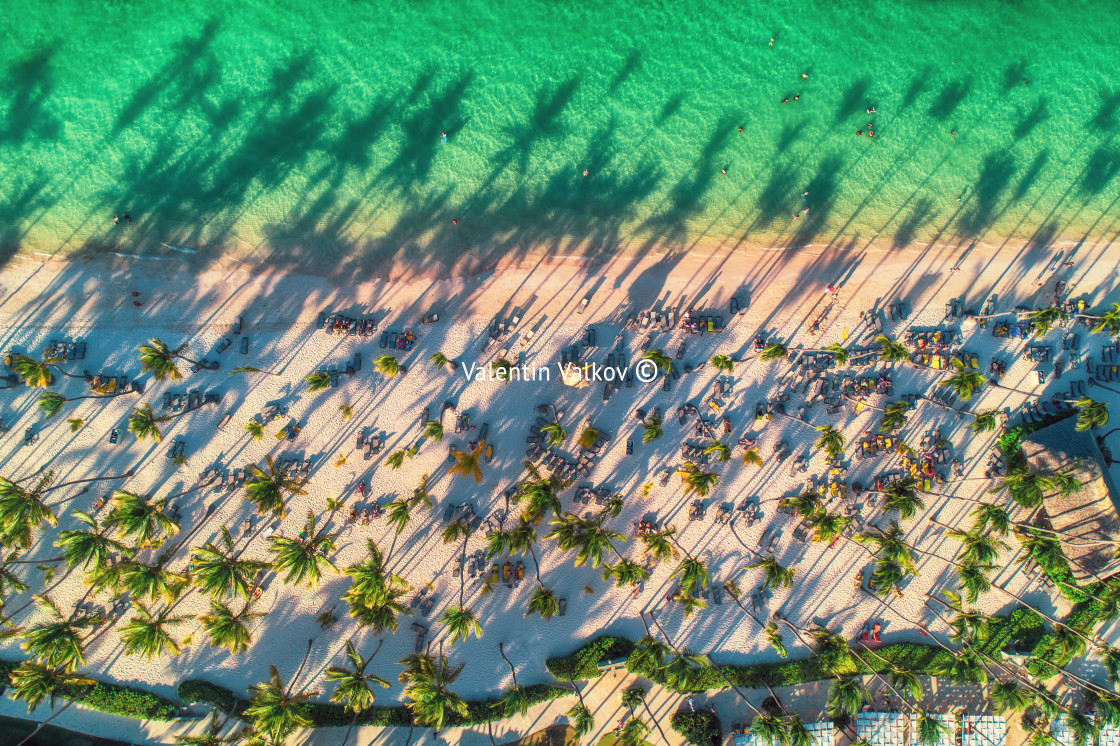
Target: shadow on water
point(1105, 120)
point(920, 215)
point(951, 96)
point(190, 68)
point(854, 100)
point(995, 176)
point(671, 107)
point(822, 188)
point(632, 63)
point(1014, 75)
point(790, 134)
point(1102, 168)
point(1036, 117)
point(917, 88)
point(1031, 176)
point(28, 85)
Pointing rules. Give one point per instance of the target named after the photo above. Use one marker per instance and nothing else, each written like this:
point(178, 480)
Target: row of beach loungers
point(226, 343)
point(338, 323)
point(67, 350)
point(190, 401)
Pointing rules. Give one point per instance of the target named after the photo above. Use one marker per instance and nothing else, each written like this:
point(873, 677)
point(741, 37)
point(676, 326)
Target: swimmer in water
point(785, 101)
point(859, 132)
point(797, 96)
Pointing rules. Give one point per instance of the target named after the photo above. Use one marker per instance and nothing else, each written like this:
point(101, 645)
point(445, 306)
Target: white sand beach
point(782, 294)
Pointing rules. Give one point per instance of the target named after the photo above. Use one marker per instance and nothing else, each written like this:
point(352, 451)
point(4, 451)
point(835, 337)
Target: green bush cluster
point(493, 709)
point(1047, 654)
point(698, 728)
point(583, 663)
point(110, 698)
point(197, 691)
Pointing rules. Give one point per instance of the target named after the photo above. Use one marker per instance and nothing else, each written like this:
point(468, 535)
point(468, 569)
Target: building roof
point(1092, 513)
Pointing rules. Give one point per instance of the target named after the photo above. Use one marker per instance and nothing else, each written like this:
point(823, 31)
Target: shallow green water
point(309, 131)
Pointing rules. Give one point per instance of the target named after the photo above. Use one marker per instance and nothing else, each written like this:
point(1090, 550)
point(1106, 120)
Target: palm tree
point(33, 682)
point(659, 358)
point(31, 371)
point(839, 353)
point(805, 504)
point(583, 722)
point(387, 366)
point(721, 451)
point(461, 622)
point(769, 728)
point(159, 359)
point(60, 642)
point(515, 700)
point(139, 517)
point(143, 423)
point(696, 480)
point(775, 572)
point(965, 381)
point(266, 489)
point(984, 421)
point(210, 737)
point(723, 363)
point(222, 573)
point(633, 733)
point(588, 437)
point(691, 573)
point(433, 430)
point(1109, 321)
point(375, 593)
point(467, 463)
point(658, 544)
point(774, 637)
point(652, 430)
point(894, 417)
point(152, 581)
point(427, 680)
point(439, 360)
point(227, 629)
point(255, 429)
point(317, 381)
point(304, 559)
point(751, 457)
point(902, 496)
point(1007, 695)
point(90, 546)
point(891, 351)
point(274, 711)
point(931, 729)
point(51, 403)
point(1083, 728)
point(1091, 414)
point(399, 514)
point(553, 433)
point(1045, 318)
point(846, 696)
point(501, 370)
point(355, 686)
point(147, 634)
point(773, 351)
point(831, 440)
point(9, 581)
point(988, 515)
point(544, 603)
point(1028, 487)
point(827, 527)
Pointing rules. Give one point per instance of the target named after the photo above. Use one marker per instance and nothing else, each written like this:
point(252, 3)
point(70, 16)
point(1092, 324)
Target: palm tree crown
point(304, 559)
point(266, 489)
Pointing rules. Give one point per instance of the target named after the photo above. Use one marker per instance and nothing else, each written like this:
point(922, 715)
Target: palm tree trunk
point(536, 566)
point(511, 668)
point(301, 665)
point(47, 590)
point(89, 690)
point(898, 694)
point(1086, 543)
point(126, 475)
point(1012, 669)
point(654, 720)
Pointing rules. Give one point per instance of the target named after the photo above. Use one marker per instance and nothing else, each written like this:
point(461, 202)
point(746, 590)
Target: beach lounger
point(224, 345)
point(357, 361)
point(680, 351)
point(30, 436)
point(224, 421)
point(563, 604)
point(244, 345)
point(484, 431)
point(582, 305)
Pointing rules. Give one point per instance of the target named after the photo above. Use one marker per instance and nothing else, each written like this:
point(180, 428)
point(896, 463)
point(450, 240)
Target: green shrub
point(193, 691)
point(583, 663)
point(126, 701)
point(698, 728)
point(491, 709)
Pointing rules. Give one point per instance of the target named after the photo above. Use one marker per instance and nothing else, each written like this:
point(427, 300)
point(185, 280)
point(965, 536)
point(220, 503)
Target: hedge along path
point(1021, 625)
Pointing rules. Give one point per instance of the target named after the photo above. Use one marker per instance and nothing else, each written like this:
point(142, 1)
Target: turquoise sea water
point(297, 131)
